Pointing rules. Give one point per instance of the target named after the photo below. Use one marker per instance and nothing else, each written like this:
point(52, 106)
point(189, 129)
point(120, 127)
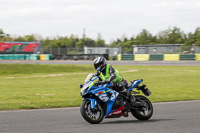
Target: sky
point(111, 18)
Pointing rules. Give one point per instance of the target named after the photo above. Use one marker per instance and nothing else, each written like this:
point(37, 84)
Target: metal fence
point(60, 51)
point(165, 49)
point(124, 50)
point(189, 49)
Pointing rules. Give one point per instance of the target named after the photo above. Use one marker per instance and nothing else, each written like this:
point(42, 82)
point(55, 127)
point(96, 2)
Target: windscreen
point(88, 78)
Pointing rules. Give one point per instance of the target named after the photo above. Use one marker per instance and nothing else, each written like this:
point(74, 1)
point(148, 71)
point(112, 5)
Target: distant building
point(156, 49)
point(111, 51)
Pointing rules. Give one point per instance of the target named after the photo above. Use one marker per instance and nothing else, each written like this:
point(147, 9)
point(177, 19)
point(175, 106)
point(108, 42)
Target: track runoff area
point(138, 63)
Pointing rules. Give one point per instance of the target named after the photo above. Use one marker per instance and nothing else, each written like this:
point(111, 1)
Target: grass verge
point(28, 86)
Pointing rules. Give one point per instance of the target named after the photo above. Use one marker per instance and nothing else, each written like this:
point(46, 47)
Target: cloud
point(110, 18)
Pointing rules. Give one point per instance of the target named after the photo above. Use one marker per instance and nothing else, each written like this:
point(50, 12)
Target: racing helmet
point(100, 63)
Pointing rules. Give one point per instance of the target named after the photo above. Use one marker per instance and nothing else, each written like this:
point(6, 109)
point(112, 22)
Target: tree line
point(169, 36)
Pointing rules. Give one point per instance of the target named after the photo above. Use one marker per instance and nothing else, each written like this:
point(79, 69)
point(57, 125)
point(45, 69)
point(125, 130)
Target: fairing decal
point(116, 112)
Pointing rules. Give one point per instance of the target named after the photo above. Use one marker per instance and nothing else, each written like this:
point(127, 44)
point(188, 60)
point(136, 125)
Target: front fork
point(93, 102)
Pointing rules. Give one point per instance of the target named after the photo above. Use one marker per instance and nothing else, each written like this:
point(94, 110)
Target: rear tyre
point(93, 116)
point(144, 113)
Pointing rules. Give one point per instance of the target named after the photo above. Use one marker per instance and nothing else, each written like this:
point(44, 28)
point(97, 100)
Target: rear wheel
point(143, 113)
point(93, 116)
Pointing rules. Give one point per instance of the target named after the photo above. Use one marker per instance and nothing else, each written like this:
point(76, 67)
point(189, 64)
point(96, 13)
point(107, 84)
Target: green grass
point(24, 86)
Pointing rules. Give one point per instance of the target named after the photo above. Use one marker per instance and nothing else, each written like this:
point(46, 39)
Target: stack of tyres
point(27, 57)
point(156, 57)
point(35, 57)
point(5, 57)
point(141, 57)
point(127, 57)
point(119, 57)
point(197, 57)
point(1, 56)
point(19, 56)
point(8, 57)
point(45, 57)
point(171, 57)
point(48, 57)
point(42, 57)
point(187, 57)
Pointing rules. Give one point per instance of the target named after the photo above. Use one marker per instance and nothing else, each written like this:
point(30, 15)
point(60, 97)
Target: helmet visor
point(97, 65)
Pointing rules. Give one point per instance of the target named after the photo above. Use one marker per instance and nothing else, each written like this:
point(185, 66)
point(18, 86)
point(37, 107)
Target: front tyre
point(144, 113)
point(93, 116)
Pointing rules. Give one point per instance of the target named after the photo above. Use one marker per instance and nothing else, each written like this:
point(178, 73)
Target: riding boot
point(133, 101)
point(128, 95)
point(125, 110)
point(130, 98)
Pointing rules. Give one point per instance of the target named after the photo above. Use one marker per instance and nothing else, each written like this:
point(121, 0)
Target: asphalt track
point(170, 117)
point(140, 63)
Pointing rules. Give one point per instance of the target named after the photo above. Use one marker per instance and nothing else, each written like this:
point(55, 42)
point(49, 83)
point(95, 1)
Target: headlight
point(84, 90)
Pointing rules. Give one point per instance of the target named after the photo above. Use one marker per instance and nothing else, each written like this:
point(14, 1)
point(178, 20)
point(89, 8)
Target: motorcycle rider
point(107, 74)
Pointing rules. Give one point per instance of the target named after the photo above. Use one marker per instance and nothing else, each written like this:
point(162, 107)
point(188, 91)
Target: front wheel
point(93, 116)
point(144, 113)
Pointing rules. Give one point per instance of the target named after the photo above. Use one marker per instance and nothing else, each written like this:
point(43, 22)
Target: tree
point(30, 38)
point(171, 36)
point(144, 37)
point(176, 36)
point(1, 34)
point(100, 42)
point(19, 39)
point(88, 42)
point(197, 36)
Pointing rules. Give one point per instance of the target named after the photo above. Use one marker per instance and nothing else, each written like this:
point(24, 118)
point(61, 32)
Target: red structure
point(30, 47)
point(18, 47)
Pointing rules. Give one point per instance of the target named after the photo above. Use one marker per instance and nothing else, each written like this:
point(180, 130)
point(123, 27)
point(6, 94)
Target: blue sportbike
point(101, 101)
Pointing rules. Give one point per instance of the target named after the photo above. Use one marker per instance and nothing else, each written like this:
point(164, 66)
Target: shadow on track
point(136, 121)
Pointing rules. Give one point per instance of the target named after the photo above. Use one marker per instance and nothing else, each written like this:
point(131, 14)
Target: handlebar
point(101, 83)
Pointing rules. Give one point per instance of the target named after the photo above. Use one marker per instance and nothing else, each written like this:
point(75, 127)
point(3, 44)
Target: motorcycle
point(101, 101)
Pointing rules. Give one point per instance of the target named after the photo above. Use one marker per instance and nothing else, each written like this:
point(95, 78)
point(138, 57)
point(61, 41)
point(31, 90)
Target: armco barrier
point(197, 57)
point(141, 57)
point(187, 57)
point(156, 57)
point(171, 57)
point(127, 57)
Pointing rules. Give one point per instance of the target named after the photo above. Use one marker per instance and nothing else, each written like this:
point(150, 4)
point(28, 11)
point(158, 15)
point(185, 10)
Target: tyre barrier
point(197, 57)
point(156, 57)
point(25, 57)
point(187, 57)
point(141, 57)
point(159, 57)
point(171, 57)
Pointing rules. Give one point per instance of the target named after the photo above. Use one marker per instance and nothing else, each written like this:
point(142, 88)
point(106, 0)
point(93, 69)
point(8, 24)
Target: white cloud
point(111, 18)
